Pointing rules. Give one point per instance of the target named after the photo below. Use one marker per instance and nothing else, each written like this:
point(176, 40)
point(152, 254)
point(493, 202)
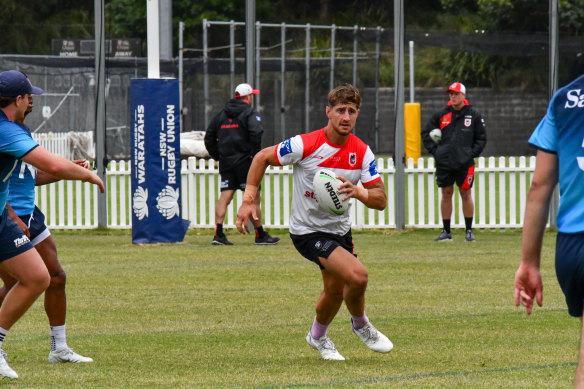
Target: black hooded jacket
point(463, 137)
point(234, 134)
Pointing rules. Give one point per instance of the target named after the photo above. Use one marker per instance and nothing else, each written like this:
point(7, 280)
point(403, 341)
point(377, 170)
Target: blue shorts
point(570, 270)
point(13, 241)
point(36, 226)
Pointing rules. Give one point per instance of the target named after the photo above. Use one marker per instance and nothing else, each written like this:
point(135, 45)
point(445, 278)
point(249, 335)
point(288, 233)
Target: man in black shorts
point(463, 138)
point(233, 137)
point(318, 235)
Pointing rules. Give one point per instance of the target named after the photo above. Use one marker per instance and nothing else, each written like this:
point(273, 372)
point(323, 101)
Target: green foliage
point(572, 16)
point(475, 69)
point(28, 27)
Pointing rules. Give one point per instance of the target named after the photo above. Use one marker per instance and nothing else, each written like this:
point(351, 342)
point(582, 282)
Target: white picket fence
point(70, 145)
point(499, 192)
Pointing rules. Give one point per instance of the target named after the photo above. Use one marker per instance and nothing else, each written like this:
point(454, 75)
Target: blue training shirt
point(15, 143)
point(22, 184)
point(561, 132)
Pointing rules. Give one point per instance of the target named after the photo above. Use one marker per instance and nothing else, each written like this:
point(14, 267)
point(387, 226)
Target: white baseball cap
point(457, 87)
point(244, 90)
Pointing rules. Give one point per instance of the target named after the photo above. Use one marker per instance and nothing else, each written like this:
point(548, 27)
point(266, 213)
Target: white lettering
point(162, 144)
point(170, 126)
point(575, 99)
point(139, 139)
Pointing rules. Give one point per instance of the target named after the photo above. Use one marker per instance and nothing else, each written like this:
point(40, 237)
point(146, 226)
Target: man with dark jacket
point(455, 136)
point(233, 137)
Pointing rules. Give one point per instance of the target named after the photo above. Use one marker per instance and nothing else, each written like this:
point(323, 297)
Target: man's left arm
point(44, 178)
point(480, 136)
point(255, 131)
point(373, 196)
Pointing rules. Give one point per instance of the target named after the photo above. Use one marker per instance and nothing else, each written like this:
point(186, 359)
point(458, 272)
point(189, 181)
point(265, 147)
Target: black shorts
point(236, 177)
point(570, 270)
point(320, 244)
point(36, 226)
point(464, 178)
point(13, 241)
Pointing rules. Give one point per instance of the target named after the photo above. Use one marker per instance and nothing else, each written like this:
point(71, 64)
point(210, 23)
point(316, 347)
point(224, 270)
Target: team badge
point(467, 122)
point(352, 159)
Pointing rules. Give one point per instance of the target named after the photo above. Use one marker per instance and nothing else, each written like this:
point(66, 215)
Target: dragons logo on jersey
point(352, 159)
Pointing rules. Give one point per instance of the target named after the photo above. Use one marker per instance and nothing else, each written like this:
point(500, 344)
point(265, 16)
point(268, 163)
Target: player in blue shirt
point(31, 221)
point(17, 255)
point(559, 138)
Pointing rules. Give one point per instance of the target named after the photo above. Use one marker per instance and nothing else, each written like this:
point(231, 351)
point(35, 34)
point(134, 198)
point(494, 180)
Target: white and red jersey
point(309, 153)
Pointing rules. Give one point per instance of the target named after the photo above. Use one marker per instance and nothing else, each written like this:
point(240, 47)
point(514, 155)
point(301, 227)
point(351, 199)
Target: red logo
point(352, 159)
point(445, 120)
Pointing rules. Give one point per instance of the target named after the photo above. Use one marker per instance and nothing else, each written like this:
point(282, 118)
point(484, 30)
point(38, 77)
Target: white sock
point(3, 334)
point(58, 338)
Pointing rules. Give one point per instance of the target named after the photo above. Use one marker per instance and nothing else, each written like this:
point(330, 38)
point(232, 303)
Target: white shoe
point(326, 347)
point(372, 338)
point(5, 370)
point(67, 355)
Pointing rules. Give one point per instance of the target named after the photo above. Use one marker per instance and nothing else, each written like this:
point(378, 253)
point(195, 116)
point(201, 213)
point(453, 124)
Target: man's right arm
point(249, 208)
point(429, 144)
point(528, 284)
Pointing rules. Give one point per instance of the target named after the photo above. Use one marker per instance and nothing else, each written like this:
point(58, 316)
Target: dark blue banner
point(155, 141)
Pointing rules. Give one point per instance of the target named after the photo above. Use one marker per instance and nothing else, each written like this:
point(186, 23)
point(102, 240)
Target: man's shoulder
point(10, 127)
point(357, 142)
point(471, 109)
point(444, 110)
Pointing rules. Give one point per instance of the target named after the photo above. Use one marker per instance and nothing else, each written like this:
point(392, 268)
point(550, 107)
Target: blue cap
point(14, 83)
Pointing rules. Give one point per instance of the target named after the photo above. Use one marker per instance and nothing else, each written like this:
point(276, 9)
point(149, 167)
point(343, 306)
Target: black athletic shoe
point(444, 237)
point(221, 241)
point(267, 239)
point(469, 236)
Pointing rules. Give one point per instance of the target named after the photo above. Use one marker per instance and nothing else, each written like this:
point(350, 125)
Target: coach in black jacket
point(463, 139)
point(233, 137)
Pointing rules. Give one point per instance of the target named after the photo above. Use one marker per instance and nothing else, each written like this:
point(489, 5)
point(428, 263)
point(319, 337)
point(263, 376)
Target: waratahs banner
point(155, 141)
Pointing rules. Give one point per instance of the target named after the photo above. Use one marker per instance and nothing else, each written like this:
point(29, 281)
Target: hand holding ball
point(436, 135)
point(326, 189)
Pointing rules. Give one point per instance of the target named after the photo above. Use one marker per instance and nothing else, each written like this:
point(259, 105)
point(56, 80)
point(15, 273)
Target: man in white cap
point(233, 137)
point(463, 138)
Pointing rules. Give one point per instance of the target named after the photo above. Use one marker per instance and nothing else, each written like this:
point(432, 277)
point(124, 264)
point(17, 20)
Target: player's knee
point(447, 192)
point(359, 280)
point(37, 282)
point(58, 280)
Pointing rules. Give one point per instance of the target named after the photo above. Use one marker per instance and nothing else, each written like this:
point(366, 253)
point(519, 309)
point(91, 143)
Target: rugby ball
point(326, 189)
point(436, 135)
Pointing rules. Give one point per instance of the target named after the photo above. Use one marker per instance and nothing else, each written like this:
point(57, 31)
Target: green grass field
point(192, 315)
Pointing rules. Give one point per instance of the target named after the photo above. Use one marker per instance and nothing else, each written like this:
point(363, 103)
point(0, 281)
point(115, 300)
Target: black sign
point(131, 47)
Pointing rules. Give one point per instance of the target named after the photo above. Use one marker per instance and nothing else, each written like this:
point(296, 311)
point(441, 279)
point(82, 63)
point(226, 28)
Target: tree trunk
point(324, 11)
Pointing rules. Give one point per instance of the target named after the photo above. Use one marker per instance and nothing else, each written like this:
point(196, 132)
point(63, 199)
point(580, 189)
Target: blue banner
point(155, 141)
